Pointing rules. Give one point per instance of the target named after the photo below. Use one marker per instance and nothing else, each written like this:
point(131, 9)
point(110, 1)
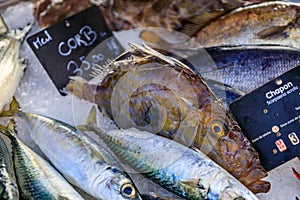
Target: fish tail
point(14, 109)
point(10, 129)
point(82, 89)
point(91, 120)
point(20, 34)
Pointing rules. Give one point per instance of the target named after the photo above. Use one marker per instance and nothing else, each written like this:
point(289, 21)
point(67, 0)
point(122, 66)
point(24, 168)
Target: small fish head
point(120, 186)
point(228, 188)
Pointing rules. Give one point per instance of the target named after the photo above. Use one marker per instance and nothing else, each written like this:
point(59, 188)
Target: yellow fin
point(10, 129)
point(92, 118)
point(14, 108)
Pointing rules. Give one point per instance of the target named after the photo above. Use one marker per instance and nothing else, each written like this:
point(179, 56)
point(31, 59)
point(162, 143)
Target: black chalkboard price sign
point(270, 118)
point(64, 47)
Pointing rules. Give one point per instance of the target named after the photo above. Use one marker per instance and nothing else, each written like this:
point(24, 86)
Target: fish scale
point(78, 157)
point(36, 178)
point(8, 185)
point(159, 94)
point(11, 69)
point(178, 169)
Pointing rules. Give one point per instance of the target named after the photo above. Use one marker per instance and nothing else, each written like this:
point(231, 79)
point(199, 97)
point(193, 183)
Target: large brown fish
point(265, 23)
point(187, 16)
point(156, 93)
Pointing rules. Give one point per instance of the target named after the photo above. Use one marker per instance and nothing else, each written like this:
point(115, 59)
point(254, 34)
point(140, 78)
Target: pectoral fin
point(276, 32)
point(197, 23)
point(193, 183)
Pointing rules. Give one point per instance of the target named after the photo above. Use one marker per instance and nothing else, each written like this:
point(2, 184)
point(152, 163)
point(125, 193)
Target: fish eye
point(128, 190)
point(217, 129)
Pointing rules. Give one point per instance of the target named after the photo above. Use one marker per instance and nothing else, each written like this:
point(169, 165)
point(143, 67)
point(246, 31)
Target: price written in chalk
point(68, 48)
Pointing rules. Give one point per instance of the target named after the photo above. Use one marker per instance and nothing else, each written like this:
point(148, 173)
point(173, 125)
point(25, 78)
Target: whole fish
point(183, 15)
point(175, 167)
point(265, 23)
point(11, 68)
point(37, 179)
point(150, 91)
point(8, 184)
point(78, 157)
point(243, 67)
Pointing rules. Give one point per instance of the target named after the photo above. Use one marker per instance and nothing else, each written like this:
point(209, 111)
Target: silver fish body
point(37, 179)
point(175, 167)
point(248, 67)
point(80, 159)
point(11, 69)
point(8, 185)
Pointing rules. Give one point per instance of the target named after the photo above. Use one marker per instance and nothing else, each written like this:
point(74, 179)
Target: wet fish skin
point(8, 184)
point(265, 23)
point(11, 69)
point(248, 67)
point(178, 169)
point(37, 179)
point(240, 67)
point(78, 157)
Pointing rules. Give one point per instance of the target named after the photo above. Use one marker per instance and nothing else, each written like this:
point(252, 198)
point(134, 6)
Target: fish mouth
point(234, 152)
point(239, 158)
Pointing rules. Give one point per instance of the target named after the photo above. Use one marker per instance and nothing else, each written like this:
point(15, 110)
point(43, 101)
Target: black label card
point(62, 48)
point(270, 118)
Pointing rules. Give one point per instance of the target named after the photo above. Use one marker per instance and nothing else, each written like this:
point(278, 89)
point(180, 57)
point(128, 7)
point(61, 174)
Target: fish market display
point(37, 179)
point(8, 185)
point(179, 169)
point(11, 68)
point(183, 15)
point(265, 23)
point(78, 157)
point(156, 93)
